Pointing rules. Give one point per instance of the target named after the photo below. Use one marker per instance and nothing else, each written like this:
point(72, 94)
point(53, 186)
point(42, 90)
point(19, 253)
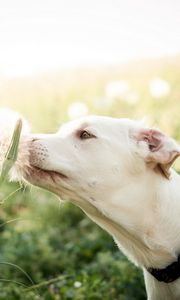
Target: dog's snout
point(38, 152)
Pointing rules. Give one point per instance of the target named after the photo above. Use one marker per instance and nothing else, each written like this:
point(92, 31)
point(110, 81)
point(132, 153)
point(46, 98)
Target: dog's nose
point(34, 140)
point(37, 137)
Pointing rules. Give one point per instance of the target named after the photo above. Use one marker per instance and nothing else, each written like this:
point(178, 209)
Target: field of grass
point(49, 250)
point(55, 242)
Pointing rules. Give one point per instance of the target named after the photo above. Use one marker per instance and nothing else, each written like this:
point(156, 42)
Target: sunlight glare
point(46, 35)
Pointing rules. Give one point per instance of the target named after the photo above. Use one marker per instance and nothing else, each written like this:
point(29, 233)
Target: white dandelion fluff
point(159, 88)
point(77, 284)
point(77, 109)
point(115, 89)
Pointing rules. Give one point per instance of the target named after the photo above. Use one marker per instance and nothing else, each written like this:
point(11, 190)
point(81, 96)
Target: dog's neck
point(148, 230)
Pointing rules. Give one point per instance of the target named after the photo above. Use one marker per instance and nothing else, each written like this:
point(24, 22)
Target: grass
point(64, 254)
point(12, 152)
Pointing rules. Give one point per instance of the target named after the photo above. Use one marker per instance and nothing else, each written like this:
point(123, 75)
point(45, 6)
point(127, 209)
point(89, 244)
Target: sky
point(42, 35)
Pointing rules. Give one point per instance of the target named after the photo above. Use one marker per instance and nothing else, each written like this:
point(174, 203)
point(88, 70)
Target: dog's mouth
point(36, 173)
point(40, 176)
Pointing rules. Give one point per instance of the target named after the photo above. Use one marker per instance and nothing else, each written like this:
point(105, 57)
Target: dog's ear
point(161, 150)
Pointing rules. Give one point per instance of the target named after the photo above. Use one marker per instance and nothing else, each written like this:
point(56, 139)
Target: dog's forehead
point(99, 123)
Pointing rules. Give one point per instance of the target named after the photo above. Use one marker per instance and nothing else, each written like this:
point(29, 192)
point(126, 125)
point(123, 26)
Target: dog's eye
point(85, 135)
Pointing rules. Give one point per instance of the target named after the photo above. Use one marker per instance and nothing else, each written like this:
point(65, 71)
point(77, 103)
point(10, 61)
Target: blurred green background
point(64, 252)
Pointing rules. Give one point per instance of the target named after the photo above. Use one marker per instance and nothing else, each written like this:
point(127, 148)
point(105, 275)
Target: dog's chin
point(47, 179)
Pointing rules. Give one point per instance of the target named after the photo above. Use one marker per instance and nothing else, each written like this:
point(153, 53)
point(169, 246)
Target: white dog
point(119, 173)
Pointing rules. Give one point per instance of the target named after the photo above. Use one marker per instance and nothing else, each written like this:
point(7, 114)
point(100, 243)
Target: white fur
point(108, 178)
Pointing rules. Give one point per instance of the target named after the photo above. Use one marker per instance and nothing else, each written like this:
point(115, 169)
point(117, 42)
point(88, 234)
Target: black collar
point(168, 274)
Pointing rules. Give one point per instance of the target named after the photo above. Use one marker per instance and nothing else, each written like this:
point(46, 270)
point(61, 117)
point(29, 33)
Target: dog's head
point(92, 157)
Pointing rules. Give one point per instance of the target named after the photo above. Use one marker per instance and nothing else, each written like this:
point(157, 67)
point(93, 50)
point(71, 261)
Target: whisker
point(14, 281)
point(48, 282)
point(10, 221)
point(17, 219)
point(10, 195)
point(19, 268)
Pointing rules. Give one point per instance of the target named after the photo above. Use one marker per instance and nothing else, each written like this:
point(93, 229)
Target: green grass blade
point(12, 152)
